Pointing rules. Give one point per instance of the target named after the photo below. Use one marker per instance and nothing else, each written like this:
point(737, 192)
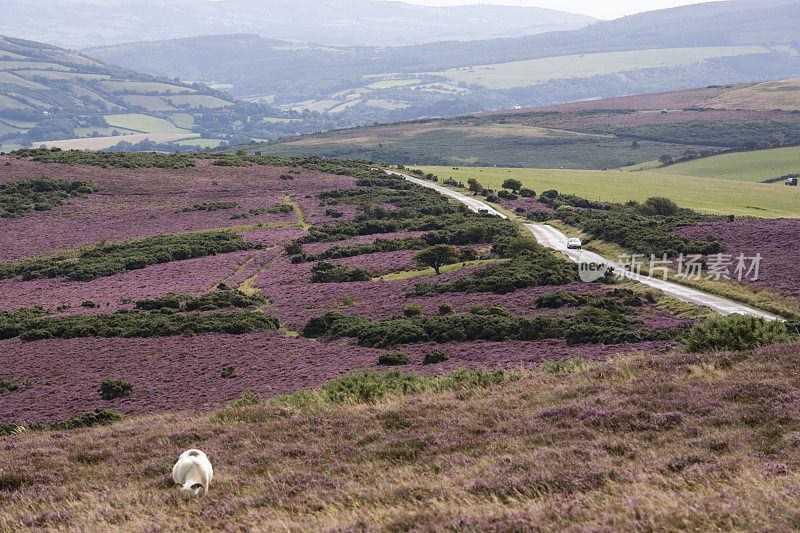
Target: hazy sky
point(602, 9)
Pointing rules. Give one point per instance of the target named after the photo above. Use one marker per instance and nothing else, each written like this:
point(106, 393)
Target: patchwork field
point(530, 72)
point(707, 195)
point(599, 134)
point(101, 143)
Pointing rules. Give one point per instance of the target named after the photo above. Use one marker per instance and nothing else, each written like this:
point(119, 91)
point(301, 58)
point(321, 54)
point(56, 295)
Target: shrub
point(31, 325)
point(446, 309)
point(210, 206)
point(412, 311)
point(114, 388)
point(735, 332)
point(554, 300)
point(88, 304)
point(435, 356)
point(513, 184)
point(7, 386)
point(527, 193)
point(248, 397)
point(41, 194)
point(325, 272)
point(227, 371)
point(370, 386)
point(286, 177)
point(394, 359)
point(530, 269)
point(100, 417)
point(109, 259)
point(569, 366)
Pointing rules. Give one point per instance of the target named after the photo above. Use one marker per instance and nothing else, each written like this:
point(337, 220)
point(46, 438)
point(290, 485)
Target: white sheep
point(193, 472)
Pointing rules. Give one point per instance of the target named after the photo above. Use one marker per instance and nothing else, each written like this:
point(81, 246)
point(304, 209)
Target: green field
point(143, 123)
point(202, 143)
point(10, 103)
point(197, 100)
point(755, 166)
point(388, 84)
point(28, 65)
point(59, 75)
point(134, 87)
point(708, 195)
point(524, 73)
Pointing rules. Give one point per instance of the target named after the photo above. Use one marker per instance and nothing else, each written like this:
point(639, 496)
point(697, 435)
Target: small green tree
point(474, 186)
point(513, 184)
point(437, 256)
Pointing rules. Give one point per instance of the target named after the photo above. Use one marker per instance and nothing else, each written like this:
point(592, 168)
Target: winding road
point(552, 238)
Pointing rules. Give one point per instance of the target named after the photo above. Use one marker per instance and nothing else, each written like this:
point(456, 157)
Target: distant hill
point(600, 134)
point(689, 46)
point(81, 23)
point(50, 94)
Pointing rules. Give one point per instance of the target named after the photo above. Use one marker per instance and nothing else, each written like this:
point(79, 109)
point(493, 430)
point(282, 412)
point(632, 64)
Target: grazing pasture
point(707, 195)
point(144, 124)
point(754, 166)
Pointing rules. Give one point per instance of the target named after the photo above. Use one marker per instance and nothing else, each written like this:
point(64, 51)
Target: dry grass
point(784, 94)
point(670, 442)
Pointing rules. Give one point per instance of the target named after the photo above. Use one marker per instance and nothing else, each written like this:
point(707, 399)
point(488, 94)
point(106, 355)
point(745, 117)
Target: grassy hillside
point(708, 195)
point(598, 134)
point(49, 94)
point(666, 442)
point(756, 166)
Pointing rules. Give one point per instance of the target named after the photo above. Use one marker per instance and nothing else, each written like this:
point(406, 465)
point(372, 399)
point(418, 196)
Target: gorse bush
point(736, 333)
point(114, 388)
point(370, 386)
point(210, 206)
point(248, 398)
point(42, 194)
point(642, 228)
point(394, 359)
point(435, 356)
point(7, 386)
point(108, 159)
point(31, 324)
point(225, 299)
point(332, 273)
point(590, 325)
point(109, 259)
point(530, 269)
point(99, 417)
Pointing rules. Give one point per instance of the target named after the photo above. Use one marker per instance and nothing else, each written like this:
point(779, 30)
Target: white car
point(574, 244)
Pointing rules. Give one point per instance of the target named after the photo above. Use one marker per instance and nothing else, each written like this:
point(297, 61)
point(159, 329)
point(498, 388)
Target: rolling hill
point(73, 23)
point(650, 52)
point(599, 134)
point(50, 94)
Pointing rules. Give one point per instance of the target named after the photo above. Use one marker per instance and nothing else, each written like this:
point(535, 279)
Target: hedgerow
point(210, 206)
point(109, 259)
point(41, 194)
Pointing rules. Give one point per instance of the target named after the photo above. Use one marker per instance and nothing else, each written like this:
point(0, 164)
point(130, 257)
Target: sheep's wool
point(193, 472)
